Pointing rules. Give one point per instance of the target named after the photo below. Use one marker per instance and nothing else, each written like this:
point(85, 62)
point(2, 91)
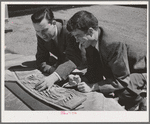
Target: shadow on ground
point(20, 68)
point(29, 64)
point(9, 51)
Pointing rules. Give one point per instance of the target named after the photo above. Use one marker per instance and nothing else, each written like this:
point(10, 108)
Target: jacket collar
point(100, 37)
point(97, 46)
point(60, 25)
point(101, 34)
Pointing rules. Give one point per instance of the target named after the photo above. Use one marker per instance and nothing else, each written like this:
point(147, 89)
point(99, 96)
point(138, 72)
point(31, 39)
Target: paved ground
point(127, 20)
point(130, 21)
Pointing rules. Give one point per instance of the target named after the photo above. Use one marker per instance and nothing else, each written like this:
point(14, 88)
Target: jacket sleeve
point(64, 69)
point(42, 57)
point(117, 59)
point(94, 69)
point(72, 58)
point(72, 51)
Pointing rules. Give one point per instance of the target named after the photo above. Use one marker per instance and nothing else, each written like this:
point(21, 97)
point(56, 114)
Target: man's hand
point(47, 82)
point(83, 87)
point(74, 80)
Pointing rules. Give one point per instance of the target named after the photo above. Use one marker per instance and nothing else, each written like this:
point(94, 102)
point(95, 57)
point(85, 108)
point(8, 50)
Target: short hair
point(38, 16)
point(82, 20)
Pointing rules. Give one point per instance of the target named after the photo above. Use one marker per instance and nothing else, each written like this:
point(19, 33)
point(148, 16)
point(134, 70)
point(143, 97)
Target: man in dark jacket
point(57, 51)
point(116, 64)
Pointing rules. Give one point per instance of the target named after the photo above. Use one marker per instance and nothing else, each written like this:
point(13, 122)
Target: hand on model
point(47, 82)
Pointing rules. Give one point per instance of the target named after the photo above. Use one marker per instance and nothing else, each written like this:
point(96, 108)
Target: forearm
point(72, 51)
point(44, 63)
point(65, 69)
point(45, 68)
point(42, 56)
point(107, 86)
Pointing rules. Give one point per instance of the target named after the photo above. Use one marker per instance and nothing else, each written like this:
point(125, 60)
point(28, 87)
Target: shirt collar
point(97, 45)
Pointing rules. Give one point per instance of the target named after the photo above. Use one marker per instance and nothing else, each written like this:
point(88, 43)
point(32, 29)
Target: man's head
point(44, 24)
point(83, 25)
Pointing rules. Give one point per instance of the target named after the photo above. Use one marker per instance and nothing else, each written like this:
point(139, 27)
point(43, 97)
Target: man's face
point(84, 39)
point(45, 30)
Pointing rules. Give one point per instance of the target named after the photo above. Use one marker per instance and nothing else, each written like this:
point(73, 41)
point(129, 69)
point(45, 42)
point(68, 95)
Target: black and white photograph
point(75, 61)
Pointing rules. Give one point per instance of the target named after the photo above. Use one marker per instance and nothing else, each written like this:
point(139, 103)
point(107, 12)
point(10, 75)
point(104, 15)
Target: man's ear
point(90, 31)
point(54, 22)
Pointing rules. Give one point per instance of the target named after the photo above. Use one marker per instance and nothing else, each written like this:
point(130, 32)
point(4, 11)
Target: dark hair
point(82, 20)
point(38, 16)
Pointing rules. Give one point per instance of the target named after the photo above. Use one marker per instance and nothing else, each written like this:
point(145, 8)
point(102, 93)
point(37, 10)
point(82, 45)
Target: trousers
point(127, 97)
